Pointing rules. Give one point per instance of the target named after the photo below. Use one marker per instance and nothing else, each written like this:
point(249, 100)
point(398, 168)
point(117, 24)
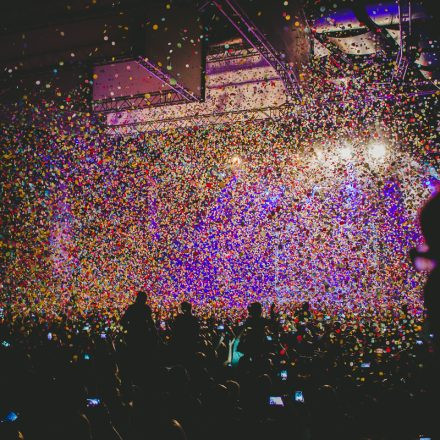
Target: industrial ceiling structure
point(164, 45)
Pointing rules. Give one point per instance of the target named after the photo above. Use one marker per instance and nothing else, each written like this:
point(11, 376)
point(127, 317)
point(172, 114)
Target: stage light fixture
point(378, 150)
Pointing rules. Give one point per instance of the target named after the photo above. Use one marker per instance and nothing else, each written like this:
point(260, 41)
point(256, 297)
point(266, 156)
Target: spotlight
point(236, 160)
point(345, 152)
point(378, 150)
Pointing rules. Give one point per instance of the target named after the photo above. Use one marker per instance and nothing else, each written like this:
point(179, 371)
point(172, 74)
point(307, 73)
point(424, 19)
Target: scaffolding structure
point(234, 52)
point(174, 85)
point(288, 110)
point(402, 61)
point(174, 93)
point(231, 117)
point(135, 102)
point(257, 40)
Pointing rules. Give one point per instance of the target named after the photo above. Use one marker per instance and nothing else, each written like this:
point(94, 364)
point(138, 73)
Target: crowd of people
point(300, 372)
point(301, 375)
point(282, 301)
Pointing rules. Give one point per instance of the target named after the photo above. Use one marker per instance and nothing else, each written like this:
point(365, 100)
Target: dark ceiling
point(52, 37)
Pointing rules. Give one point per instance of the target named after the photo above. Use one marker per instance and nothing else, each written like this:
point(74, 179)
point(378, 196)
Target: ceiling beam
point(250, 33)
point(185, 94)
point(386, 41)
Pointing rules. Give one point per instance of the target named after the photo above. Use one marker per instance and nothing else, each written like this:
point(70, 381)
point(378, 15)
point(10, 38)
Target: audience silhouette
point(301, 375)
point(139, 325)
point(253, 338)
point(430, 224)
point(185, 331)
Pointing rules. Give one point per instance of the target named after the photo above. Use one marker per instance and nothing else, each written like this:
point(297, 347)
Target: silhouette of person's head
point(141, 298)
point(255, 309)
point(186, 307)
point(429, 222)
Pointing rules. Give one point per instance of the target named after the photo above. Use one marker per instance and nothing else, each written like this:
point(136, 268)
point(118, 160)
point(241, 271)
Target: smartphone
point(6, 344)
point(10, 417)
point(49, 336)
point(93, 402)
point(103, 336)
point(269, 338)
point(283, 375)
point(298, 396)
point(326, 317)
point(2, 314)
point(221, 327)
point(419, 342)
point(86, 328)
point(276, 401)
point(366, 365)
point(86, 357)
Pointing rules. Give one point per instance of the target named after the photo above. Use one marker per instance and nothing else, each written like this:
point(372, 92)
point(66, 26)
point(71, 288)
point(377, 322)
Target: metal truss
point(175, 93)
point(235, 52)
point(153, 99)
point(337, 54)
point(422, 88)
point(221, 49)
point(166, 79)
point(250, 32)
point(287, 110)
point(386, 41)
point(402, 61)
point(273, 113)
